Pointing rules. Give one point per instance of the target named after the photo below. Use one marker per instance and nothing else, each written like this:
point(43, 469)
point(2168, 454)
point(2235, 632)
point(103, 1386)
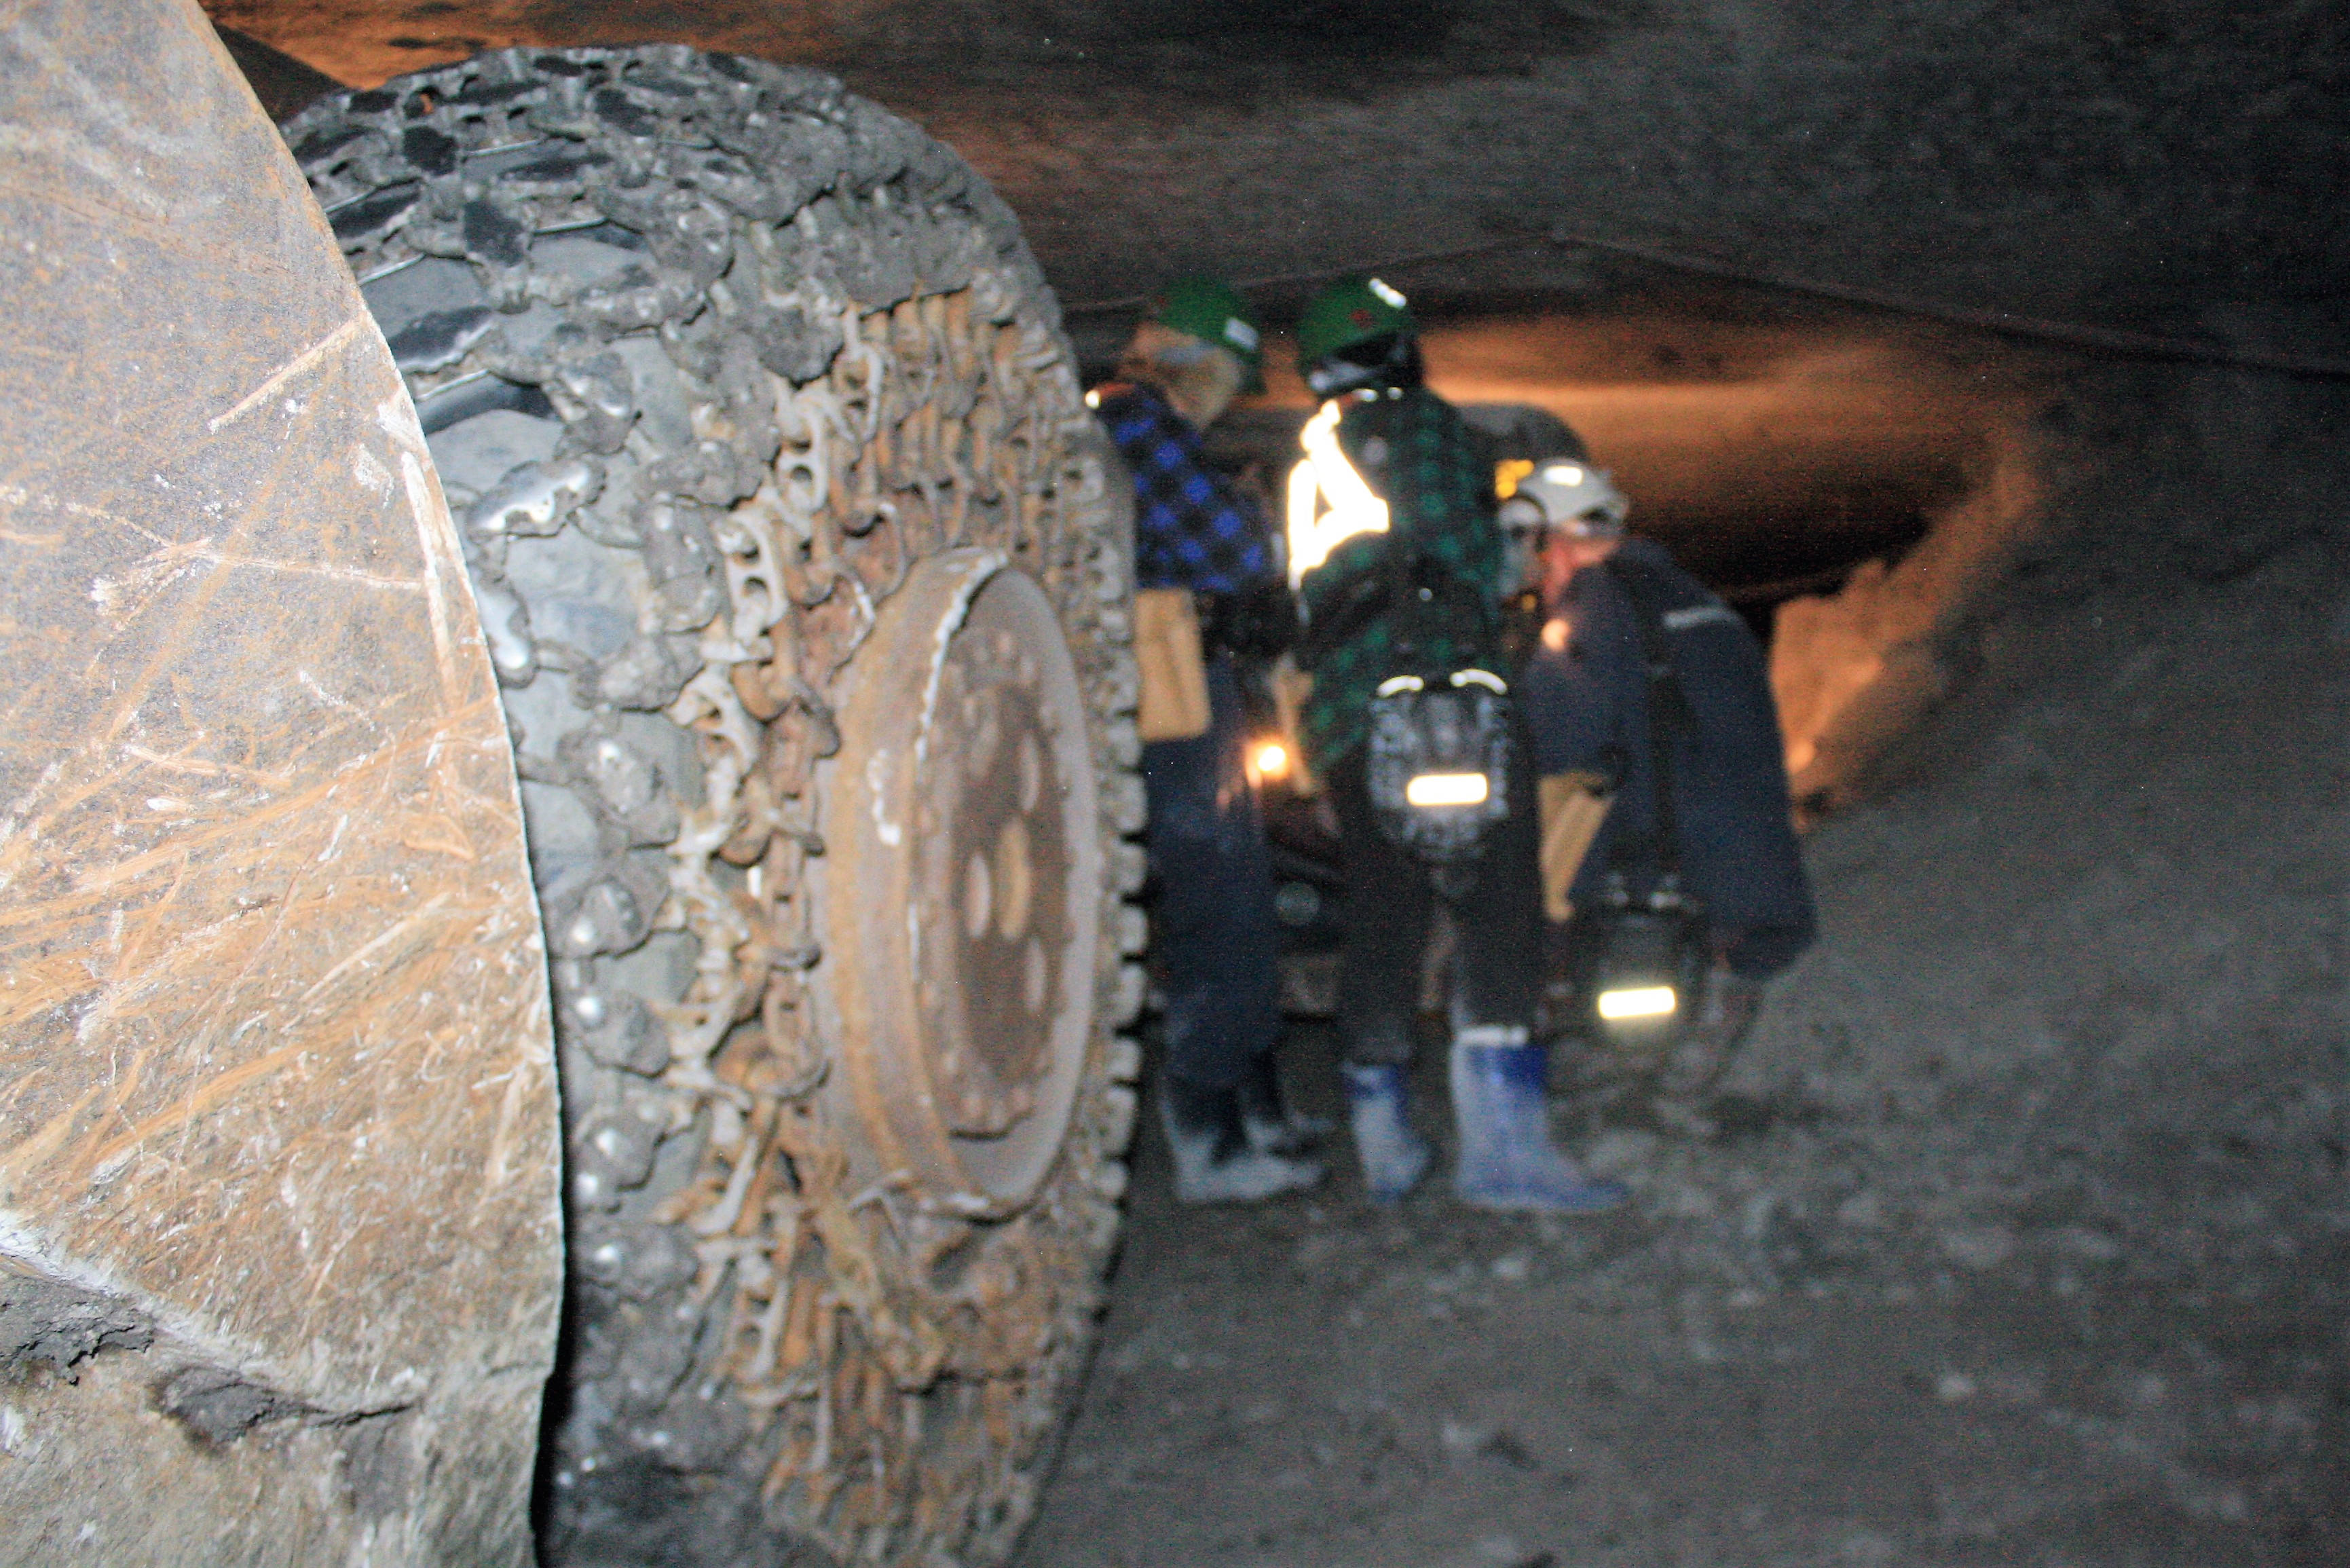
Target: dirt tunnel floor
point(2026, 1245)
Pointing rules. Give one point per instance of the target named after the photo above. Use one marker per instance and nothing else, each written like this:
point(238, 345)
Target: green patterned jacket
point(1414, 450)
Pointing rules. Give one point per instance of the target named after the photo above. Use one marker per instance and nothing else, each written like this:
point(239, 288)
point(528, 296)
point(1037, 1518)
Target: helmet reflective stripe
point(1328, 501)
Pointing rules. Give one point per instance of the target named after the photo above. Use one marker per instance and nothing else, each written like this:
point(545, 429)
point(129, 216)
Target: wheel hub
point(962, 883)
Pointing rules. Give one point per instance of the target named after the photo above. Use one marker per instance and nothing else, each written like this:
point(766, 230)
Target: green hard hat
point(1214, 313)
point(1352, 311)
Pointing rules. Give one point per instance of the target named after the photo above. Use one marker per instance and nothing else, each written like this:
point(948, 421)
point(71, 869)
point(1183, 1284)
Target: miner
point(1210, 590)
point(1670, 853)
point(1410, 722)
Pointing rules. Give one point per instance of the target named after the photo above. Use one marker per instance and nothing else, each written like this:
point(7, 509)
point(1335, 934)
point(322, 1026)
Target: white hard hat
point(1573, 496)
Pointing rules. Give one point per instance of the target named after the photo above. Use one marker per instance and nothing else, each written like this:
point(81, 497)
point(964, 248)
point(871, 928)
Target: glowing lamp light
point(1638, 1001)
point(1446, 789)
point(1271, 759)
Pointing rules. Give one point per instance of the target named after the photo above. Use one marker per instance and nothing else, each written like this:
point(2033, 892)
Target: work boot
point(1394, 1156)
point(1273, 1127)
point(1213, 1161)
point(1501, 1105)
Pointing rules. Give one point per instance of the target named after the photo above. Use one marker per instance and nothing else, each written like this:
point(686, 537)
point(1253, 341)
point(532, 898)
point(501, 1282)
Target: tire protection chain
point(946, 415)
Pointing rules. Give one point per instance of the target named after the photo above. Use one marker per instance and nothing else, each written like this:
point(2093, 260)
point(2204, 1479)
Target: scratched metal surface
point(275, 1065)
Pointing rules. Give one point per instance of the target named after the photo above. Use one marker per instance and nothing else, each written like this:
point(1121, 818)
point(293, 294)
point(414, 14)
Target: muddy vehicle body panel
point(279, 1223)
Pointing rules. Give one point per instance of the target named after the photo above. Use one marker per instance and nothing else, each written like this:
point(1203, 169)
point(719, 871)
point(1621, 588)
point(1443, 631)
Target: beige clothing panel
point(1573, 804)
point(1174, 670)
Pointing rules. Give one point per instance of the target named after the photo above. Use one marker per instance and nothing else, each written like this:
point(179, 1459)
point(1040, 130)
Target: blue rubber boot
point(1394, 1156)
point(1501, 1105)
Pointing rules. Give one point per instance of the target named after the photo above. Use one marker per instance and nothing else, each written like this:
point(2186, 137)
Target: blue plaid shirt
point(1191, 528)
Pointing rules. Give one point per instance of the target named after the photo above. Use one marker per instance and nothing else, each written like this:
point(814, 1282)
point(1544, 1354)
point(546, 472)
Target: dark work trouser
point(1218, 943)
point(1391, 897)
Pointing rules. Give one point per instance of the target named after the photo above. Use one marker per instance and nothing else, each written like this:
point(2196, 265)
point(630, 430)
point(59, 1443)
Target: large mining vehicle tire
point(805, 571)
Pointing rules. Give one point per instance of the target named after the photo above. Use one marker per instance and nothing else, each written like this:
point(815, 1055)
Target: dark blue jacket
point(1588, 709)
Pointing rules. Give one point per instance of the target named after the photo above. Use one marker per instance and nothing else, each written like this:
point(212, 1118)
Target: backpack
point(1436, 761)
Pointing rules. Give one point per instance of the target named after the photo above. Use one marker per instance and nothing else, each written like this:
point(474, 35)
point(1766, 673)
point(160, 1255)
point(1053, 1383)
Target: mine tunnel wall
point(2145, 472)
point(2088, 924)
